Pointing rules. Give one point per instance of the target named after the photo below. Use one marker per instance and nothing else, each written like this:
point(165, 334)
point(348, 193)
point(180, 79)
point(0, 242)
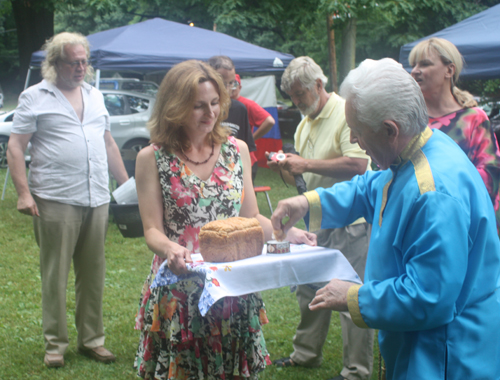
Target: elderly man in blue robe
point(433, 269)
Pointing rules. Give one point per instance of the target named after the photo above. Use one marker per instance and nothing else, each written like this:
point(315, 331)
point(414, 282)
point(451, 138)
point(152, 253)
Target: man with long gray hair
point(326, 157)
point(433, 270)
point(67, 124)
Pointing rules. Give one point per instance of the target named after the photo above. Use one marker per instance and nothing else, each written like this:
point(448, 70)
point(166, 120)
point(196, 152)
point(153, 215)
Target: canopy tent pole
point(28, 76)
point(97, 78)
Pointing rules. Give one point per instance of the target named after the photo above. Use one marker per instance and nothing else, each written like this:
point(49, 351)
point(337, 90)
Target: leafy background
point(298, 27)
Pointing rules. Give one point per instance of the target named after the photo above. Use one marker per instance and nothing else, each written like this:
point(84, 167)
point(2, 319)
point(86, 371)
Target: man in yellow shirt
point(326, 157)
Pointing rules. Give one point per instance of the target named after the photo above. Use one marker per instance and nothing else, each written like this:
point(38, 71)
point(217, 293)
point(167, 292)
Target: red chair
point(264, 189)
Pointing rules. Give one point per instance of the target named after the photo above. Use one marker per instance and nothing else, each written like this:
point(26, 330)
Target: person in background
point(437, 64)
point(237, 118)
point(67, 195)
point(326, 157)
point(194, 173)
point(432, 277)
point(260, 120)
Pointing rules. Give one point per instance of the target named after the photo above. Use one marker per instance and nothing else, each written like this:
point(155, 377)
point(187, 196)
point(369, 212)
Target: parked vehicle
point(129, 84)
point(5, 126)
point(288, 117)
point(129, 112)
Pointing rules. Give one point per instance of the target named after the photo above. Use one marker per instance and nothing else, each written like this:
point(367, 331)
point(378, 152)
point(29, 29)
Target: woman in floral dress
point(436, 66)
point(194, 173)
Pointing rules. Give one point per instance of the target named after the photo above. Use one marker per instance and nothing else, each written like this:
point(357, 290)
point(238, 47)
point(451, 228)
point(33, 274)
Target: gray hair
point(54, 49)
point(305, 70)
point(383, 90)
point(221, 62)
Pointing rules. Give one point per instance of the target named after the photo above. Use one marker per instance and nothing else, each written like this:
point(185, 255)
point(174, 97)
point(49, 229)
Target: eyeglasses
point(233, 85)
point(75, 64)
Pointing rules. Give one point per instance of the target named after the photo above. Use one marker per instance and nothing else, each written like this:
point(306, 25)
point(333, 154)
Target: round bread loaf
point(231, 239)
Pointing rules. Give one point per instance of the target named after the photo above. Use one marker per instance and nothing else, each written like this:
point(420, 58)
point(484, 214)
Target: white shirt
point(69, 161)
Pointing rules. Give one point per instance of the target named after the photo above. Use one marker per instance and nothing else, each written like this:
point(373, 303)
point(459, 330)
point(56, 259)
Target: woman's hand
point(177, 257)
point(297, 236)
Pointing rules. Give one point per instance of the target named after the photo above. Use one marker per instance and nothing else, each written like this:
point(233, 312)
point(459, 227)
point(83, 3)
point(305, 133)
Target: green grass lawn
point(128, 261)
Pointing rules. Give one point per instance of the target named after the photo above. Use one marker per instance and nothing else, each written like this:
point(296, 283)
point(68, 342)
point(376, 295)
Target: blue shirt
point(433, 269)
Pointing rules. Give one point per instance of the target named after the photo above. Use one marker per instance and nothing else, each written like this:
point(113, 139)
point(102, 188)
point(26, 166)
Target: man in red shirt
point(260, 120)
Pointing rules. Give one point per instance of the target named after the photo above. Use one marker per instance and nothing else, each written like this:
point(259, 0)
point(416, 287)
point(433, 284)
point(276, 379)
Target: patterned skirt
point(177, 343)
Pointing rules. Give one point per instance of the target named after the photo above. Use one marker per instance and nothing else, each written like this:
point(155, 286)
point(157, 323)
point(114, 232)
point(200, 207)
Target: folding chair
point(264, 189)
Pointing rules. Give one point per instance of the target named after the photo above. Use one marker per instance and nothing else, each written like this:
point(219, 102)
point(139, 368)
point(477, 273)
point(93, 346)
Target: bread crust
point(231, 239)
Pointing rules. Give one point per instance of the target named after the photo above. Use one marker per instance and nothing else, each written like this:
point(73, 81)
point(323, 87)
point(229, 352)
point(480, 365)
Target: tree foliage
point(297, 27)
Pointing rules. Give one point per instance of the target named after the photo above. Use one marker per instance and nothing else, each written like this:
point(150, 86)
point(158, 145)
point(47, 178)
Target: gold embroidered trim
point(384, 201)
point(414, 145)
point(423, 172)
point(353, 305)
point(412, 153)
point(315, 214)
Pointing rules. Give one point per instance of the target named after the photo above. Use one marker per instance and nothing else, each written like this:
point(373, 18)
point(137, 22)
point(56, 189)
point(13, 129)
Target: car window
point(10, 117)
point(144, 87)
point(138, 104)
point(115, 104)
point(108, 86)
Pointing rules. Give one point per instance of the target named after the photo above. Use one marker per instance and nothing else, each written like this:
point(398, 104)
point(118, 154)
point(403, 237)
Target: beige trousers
point(312, 331)
point(65, 233)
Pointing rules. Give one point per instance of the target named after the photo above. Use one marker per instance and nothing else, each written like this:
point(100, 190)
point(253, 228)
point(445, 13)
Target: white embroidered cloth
point(303, 265)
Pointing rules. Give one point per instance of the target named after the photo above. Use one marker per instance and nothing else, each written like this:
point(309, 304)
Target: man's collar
point(51, 87)
point(328, 108)
point(46, 85)
point(414, 145)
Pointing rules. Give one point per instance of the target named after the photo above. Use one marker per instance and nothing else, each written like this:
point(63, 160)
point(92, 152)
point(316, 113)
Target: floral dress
point(470, 129)
point(176, 342)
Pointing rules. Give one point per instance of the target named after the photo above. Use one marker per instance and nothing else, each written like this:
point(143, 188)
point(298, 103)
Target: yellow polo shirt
point(326, 137)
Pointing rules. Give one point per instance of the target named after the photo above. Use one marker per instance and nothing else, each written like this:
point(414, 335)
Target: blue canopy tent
point(157, 45)
point(478, 40)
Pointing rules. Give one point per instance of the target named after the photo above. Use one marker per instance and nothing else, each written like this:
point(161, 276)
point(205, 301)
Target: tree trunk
point(35, 24)
point(332, 54)
point(348, 53)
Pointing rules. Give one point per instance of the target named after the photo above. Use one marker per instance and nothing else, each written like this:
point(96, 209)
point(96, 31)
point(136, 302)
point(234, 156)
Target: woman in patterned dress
point(437, 64)
point(194, 173)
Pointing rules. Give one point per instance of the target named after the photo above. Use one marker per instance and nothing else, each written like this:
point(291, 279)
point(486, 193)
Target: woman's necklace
point(199, 162)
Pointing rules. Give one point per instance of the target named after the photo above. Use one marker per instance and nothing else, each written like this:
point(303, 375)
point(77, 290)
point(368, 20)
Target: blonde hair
point(449, 54)
point(175, 102)
point(54, 49)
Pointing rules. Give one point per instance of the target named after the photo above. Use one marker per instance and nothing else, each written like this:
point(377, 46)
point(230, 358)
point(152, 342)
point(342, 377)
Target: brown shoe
point(99, 354)
point(53, 360)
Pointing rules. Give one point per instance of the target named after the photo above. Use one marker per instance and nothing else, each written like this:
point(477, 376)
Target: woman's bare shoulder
point(242, 145)
point(146, 153)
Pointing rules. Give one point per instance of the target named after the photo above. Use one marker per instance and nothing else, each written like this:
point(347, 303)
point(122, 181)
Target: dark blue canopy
point(478, 40)
point(157, 45)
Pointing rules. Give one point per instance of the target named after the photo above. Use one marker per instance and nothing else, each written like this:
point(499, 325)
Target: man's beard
point(312, 108)
point(71, 83)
